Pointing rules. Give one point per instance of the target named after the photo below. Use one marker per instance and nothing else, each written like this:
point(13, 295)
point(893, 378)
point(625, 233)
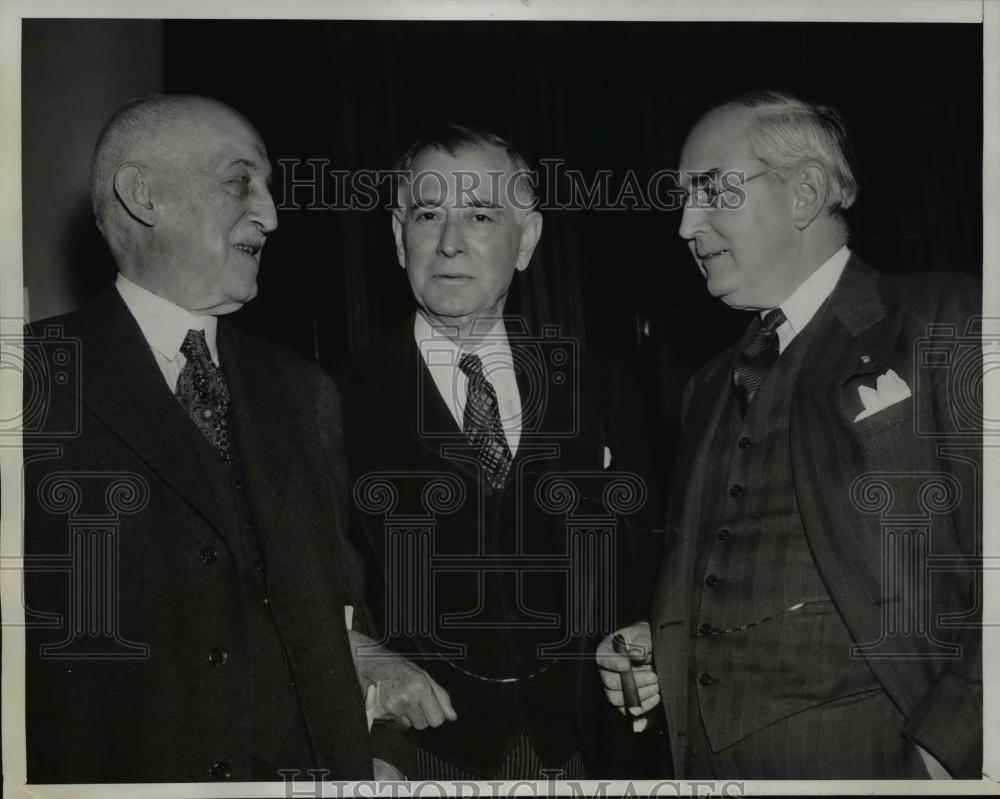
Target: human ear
point(810, 196)
point(397, 232)
point(531, 231)
point(132, 191)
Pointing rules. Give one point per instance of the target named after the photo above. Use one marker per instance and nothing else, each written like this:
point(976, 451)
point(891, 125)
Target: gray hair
point(788, 132)
point(452, 138)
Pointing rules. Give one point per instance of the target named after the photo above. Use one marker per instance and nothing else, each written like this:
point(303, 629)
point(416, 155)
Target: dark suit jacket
point(871, 323)
point(159, 706)
point(397, 422)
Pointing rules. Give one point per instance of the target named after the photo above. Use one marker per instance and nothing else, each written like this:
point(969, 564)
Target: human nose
point(264, 214)
point(692, 221)
point(452, 240)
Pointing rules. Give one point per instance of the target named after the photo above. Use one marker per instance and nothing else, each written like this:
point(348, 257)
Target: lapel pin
point(866, 359)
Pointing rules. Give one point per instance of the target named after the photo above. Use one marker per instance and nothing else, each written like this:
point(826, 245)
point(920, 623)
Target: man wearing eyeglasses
point(817, 609)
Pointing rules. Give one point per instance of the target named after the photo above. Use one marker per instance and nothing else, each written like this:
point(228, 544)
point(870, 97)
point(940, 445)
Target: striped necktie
point(481, 423)
point(756, 358)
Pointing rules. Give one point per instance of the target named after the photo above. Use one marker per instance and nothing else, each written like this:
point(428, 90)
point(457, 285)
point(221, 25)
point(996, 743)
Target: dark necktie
point(756, 358)
point(202, 391)
point(481, 423)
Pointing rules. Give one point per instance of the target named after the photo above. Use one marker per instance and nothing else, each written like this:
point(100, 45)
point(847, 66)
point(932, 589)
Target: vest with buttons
point(273, 712)
point(501, 643)
point(768, 640)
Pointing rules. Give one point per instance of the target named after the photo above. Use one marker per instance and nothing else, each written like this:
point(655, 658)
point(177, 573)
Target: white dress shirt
point(164, 325)
point(442, 354)
point(801, 307)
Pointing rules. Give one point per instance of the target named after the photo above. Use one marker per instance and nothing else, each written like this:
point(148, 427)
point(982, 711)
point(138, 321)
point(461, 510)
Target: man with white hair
point(200, 500)
point(817, 615)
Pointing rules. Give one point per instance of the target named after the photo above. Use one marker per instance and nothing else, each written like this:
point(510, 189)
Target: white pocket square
point(889, 389)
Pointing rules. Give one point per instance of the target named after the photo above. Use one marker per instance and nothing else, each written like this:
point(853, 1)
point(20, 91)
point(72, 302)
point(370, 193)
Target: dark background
point(614, 96)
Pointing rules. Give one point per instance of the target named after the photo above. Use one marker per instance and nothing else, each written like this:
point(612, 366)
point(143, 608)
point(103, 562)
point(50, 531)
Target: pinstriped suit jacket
point(904, 483)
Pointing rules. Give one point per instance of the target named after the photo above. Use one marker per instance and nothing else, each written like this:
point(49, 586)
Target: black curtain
point(599, 96)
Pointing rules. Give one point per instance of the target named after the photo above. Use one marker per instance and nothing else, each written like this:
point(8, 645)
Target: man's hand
point(640, 660)
point(404, 692)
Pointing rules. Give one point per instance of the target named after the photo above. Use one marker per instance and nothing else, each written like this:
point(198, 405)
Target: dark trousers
point(521, 763)
point(854, 737)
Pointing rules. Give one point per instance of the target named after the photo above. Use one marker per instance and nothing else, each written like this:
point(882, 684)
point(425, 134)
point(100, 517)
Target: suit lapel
point(124, 388)
point(853, 338)
point(856, 337)
point(264, 439)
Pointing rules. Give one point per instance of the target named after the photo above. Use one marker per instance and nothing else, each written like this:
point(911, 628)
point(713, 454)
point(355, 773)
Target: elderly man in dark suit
point(493, 469)
point(817, 615)
point(189, 585)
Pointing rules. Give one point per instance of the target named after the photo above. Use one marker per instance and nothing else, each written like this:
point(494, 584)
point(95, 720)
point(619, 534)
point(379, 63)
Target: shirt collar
point(437, 349)
point(163, 324)
point(802, 305)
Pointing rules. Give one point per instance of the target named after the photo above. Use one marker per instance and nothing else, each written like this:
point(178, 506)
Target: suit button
point(258, 565)
point(218, 656)
point(736, 490)
point(221, 770)
point(249, 526)
point(711, 581)
point(705, 628)
point(705, 678)
point(208, 554)
point(265, 601)
point(238, 485)
point(744, 443)
point(724, 534)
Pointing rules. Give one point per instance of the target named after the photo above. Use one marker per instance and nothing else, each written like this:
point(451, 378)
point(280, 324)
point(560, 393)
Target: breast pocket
point(897, 414)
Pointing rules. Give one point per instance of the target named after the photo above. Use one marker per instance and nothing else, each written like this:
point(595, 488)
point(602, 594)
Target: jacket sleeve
point(948, 720)
point(390, 742)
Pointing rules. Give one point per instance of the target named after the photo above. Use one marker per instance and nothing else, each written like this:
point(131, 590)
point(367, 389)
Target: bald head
point(145, 131)
point(180, 191)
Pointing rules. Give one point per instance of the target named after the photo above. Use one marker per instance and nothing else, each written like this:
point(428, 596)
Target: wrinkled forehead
point(473, 175)
point(214, 136)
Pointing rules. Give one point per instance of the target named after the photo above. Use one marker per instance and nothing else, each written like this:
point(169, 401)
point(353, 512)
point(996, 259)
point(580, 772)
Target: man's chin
point(232, 304)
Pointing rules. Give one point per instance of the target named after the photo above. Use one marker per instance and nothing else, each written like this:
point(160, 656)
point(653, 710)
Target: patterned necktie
point(202, 391)
point(754, 361)
point(481, 423)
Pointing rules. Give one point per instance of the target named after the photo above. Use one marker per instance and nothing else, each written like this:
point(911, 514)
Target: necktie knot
point(766, 337)
point(471, 365)
point(756, 358)
point(195, 347)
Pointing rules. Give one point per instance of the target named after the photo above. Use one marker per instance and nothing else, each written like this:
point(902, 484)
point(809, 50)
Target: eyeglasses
point(708, 193)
